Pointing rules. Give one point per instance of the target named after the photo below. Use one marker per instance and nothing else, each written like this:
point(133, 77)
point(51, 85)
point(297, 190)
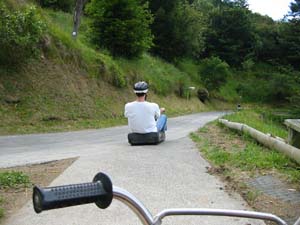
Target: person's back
point(141, 116)
point(144, 117)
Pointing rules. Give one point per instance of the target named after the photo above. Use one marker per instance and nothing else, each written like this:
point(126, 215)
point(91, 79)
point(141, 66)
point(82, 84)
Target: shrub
point(1, 211)
point(13, 179)
point(121, 26)
point(203, 94)
point(20, 34)
point(213, 72)
point(117, 77)
point(64, 5)
point(112, 73)
point(295, 104)
point(269, 87)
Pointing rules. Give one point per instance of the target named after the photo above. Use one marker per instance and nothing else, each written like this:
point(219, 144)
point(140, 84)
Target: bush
point(13, 179)
point(64, 5)
point(203, 94)
point(1, 209)
point(295, 104)
point(213, 72)
point(20, 34)
point(112, 73)
point(269, 87)
point(121, 26)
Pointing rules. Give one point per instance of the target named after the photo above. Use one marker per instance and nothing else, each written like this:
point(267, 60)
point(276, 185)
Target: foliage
point(295, 104)
point(229, 92)
point(230, 34)
point(177, 28)
point(290, 43)
point(188, 32)
point(245, 155)
point(20, 34)
point(203, 94)
point(213, 72)
point(163, 78)
point(251, 157)
point(256, 118)
point(267, 84)
point(113, 74)
point(267, 35)
point(1, 209)
point(13, 179)
point(294, 10)
point(121, 26)
point(63, 46)
point(65, 5)
point(190, 67)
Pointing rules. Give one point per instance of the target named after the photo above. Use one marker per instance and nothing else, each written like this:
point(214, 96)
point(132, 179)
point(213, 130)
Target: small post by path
point(293, 126)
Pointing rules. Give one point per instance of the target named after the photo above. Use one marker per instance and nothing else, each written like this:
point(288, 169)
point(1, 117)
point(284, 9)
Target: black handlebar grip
point(99, 191)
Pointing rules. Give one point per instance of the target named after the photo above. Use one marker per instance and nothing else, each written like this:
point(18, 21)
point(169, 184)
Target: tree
point(213, 73)
point(230, 34)
point(121, 26)
point(65, 5)
point(177, 28)
point(20, 35)
point(295, 9)
point(231, 3)
point(77, 14)
point(290, 36)
point(188, 32)
point(267, 48)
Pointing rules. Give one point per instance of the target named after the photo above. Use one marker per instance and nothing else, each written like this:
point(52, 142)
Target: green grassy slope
point(73, 86)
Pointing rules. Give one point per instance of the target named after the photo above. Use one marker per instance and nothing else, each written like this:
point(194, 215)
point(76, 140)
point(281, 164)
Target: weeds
point(13, 179)
point(250, 157)
point(257, 120)
point(1, 209)
point(252, 195)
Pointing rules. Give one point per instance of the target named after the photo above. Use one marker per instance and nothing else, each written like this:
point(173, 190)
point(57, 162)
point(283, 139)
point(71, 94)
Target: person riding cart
point(147, 122)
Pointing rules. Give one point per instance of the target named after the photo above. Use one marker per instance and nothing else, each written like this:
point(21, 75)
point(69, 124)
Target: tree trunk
point(77, 15)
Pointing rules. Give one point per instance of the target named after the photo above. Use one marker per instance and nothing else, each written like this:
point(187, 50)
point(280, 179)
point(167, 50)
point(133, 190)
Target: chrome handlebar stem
point(147, 219)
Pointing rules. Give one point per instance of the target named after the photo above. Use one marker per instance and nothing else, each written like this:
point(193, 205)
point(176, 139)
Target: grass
point(237, 159)
point(249, 157)
point(13, 179)
point(76, 86)
point(256, 119)
point(164, 78)
point(191, 68)
point(1, 209)
point(228, 91)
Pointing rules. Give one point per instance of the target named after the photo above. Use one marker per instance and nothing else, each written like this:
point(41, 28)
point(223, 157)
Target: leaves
point(20, 33)
point(121, 26)
point(13, 179)
point(213, 72)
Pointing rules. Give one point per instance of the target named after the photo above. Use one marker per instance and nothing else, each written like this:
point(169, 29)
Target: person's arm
point(126, 111)
point(156, 112)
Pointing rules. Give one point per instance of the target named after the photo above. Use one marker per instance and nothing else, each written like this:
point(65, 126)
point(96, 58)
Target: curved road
point(170, 175)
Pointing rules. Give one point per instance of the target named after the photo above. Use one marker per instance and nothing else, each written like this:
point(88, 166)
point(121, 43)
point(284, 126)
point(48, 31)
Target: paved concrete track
point(169, 175)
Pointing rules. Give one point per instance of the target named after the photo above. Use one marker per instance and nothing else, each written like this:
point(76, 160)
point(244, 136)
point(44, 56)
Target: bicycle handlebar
point(99, 191)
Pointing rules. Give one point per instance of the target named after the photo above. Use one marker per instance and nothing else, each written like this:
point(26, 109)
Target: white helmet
point(140, 87)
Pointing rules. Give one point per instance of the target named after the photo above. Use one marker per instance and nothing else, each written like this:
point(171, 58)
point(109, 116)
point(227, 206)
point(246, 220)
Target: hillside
point(72, 86)
point(50, 81)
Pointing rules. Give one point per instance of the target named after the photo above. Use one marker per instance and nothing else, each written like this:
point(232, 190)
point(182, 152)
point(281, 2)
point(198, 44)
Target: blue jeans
point(161, 123)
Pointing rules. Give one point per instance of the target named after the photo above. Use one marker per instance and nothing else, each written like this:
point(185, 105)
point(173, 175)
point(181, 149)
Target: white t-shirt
point(141, 116)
